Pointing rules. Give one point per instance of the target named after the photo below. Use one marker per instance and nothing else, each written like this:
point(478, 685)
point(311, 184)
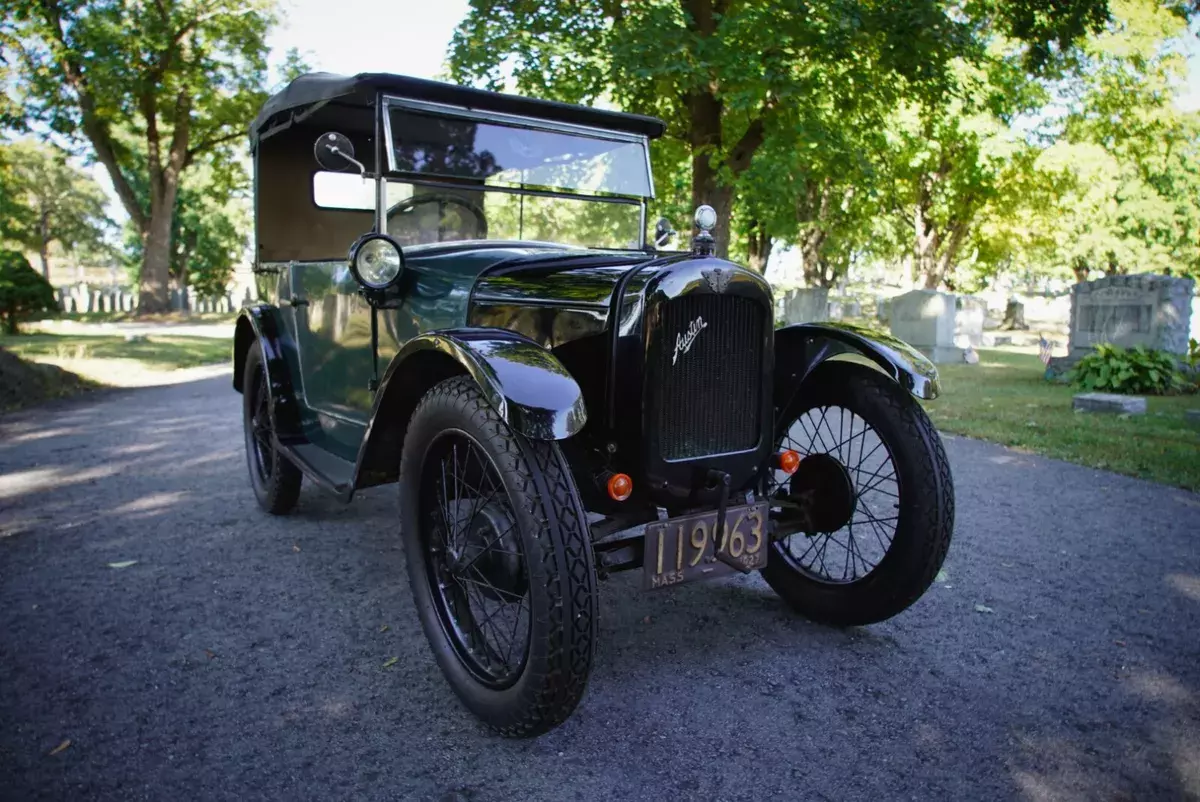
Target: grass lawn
point(1005, 399)
point(155, 352)
point(130, 317)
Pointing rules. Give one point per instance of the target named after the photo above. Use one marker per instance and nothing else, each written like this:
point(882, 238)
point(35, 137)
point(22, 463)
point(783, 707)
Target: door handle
point(298, 301)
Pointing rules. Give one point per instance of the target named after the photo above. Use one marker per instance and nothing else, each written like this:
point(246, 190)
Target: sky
point(348, 36)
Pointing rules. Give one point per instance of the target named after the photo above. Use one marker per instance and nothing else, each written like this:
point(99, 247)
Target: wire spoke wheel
point(475, 561)
point(260, 426)
point(848, 521)
point(499, 560)
point(275, 480)
point(862, 526)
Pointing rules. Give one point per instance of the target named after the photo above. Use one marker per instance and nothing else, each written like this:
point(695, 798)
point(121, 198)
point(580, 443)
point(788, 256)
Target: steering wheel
point(465, 210)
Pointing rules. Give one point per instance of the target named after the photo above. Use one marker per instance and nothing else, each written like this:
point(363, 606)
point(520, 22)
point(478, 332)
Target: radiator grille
point(707, 399)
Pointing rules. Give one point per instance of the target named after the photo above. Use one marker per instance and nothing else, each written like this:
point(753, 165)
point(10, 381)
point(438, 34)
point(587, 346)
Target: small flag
point(1044, 349)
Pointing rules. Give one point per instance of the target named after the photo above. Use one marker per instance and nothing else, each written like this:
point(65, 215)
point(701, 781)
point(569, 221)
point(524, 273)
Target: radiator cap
point(705, 219)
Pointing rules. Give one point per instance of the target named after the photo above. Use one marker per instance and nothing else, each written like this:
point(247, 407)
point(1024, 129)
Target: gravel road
point(243, 657)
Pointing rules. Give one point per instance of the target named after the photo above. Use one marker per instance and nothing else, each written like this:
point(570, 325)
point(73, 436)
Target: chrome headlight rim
point(376, 261)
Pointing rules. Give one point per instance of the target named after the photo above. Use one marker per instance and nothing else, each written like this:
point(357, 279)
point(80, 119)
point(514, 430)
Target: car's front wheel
point(499, 560)
point(864, 524)
point(276, 481)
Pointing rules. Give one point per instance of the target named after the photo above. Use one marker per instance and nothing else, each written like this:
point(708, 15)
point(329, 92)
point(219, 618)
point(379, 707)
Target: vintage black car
point(459, 296)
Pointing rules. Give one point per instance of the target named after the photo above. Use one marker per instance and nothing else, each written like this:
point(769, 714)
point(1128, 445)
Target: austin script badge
point(684, 340)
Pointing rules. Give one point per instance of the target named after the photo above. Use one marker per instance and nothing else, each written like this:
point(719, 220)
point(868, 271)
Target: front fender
point(525, 383)
point(799, 349)
point(260, 323)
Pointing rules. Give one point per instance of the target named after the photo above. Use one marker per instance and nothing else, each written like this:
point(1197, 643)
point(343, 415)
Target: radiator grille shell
point(704, 380)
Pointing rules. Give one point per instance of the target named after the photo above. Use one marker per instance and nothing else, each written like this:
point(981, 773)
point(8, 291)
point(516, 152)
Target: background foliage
point(950, 142)
point(24, 294)
point(1128, 370)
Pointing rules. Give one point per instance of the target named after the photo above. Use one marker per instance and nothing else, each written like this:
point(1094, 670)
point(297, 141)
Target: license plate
point(681, 549)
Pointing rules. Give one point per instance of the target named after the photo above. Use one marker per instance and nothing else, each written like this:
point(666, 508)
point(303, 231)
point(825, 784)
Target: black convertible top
point(319, 87)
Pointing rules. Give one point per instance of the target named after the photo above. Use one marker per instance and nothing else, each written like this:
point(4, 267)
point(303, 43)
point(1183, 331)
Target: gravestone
point(807, 305)
point(970, 314)
point(1014, 316)
point(1148, 310)
point(925, 319)
point(1110, 402)
point(883, 309)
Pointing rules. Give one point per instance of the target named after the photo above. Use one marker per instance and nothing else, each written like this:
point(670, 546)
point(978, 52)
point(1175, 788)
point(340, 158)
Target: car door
point(332, 325)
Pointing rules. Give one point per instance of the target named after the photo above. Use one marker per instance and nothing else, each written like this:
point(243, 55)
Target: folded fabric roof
point(316, 88)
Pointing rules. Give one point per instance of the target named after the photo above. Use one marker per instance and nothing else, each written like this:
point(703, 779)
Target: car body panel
point(801, 348)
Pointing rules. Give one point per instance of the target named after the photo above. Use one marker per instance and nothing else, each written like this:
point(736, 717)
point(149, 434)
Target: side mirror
point(335, 152)
point(376, 262)
point(663, 233)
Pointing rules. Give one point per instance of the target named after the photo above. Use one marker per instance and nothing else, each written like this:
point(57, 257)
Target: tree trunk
point(154, 294)
point(759, 248)
point(944, 262)
point(705, 113)
point(44, 243)
point(810, 257)
point(1014, 316)
point(1080, 268)
point(44, 255)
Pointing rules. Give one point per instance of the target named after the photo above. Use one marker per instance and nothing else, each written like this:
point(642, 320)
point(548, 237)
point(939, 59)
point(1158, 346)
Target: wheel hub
point(492, 551)
point(824, 491)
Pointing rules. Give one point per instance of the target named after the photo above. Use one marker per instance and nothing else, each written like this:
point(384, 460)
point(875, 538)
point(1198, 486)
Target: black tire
point(923, 514)
point(554, 571)
point(275, 480)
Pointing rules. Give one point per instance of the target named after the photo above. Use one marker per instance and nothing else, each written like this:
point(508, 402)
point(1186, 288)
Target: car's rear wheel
point(276, 481)
point(865, 522)
point(499, 560)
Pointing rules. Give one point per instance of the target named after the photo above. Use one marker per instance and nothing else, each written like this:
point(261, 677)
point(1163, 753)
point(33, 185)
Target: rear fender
point(260, 323)
point(525, 383)
point(801, 348)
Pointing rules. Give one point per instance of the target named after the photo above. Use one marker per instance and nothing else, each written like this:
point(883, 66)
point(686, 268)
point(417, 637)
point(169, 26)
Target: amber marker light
point(789, 461)
point(620, 486)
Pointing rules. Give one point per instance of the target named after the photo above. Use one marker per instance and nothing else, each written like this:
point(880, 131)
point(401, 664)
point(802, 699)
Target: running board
point(330, 472)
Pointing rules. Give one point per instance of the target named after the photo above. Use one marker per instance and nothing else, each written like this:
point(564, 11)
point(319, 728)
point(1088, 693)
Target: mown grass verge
point(156, 352)
point(1005, 399)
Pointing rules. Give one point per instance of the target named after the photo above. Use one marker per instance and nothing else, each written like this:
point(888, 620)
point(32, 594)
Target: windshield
point(516, 155)
point(419, 215)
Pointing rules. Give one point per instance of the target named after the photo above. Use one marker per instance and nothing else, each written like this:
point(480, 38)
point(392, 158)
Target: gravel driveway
point(244, 657)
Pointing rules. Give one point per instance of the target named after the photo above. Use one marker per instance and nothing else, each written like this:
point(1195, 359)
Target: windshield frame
point(388, 102)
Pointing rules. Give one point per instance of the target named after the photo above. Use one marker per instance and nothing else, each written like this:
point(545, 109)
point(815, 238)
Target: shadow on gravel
point(241, 656)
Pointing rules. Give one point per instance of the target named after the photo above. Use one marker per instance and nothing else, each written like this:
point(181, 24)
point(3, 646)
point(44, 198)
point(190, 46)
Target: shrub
point(24, 294)
point(1127, 370)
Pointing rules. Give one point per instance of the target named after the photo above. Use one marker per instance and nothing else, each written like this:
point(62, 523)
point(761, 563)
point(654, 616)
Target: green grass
point(1005, 399)
point(131, 317)
point(155, 352)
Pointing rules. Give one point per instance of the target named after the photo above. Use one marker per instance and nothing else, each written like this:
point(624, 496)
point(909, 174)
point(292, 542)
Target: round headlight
point(377, 262)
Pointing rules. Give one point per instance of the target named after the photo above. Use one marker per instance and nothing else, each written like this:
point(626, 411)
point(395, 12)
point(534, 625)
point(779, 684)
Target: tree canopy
point(49, 201)
point(953, 140)
point(182, 76)
point(24, 295)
